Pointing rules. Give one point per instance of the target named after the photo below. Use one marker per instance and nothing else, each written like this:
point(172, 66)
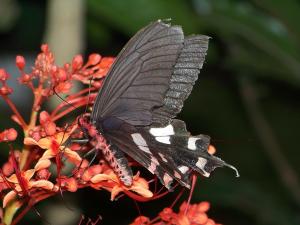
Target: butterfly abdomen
point(119, 163)
point(112, 154)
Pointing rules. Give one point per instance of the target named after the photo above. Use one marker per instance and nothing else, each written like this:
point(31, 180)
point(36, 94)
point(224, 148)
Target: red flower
point(30, 183)
point(110, 181)
point(195, 214)
point(8, 135)
point(52, 145)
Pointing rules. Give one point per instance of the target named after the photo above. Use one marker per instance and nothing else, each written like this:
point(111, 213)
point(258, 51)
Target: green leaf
point(131, 15)
point(235, 22)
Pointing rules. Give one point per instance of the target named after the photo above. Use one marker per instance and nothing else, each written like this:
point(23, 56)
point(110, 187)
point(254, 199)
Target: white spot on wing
point(192, 143)
point(177, 175)
point(162, 157)
point(201, 164)
point(167, 179)
point(153, 164)
point(162, 131)
point(145, 149)
point(165, 140)
point(183, 169)
point(140, 142)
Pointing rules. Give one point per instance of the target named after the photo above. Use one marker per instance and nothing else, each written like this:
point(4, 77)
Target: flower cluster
point(194, 214)
point(28, 175)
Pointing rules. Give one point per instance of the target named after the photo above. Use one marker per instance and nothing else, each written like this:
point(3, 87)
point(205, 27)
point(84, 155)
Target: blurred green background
point(247, 98)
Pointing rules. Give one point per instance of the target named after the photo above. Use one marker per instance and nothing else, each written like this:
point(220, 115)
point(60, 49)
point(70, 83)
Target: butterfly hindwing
point(185, 73)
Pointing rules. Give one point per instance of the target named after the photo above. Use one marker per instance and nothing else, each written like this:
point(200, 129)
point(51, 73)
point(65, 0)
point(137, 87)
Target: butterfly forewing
point(140, 76)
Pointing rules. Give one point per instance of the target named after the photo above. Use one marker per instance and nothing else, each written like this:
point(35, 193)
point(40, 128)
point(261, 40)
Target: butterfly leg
point(80, 141)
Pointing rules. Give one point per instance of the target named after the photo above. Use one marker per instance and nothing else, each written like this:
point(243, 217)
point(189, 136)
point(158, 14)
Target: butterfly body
point(142, 93)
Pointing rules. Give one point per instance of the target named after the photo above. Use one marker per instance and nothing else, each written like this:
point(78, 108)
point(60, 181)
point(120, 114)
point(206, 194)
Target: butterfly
point(142, 93)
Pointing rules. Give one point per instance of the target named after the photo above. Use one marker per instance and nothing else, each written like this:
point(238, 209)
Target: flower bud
point(211, 149)
point(43, 174)
point(11, 134)
point(20, 62)
point(3, 75)
point(44, 117)
point(106, 62)
point(7, 169)
point(203, 206)
point(94, 59)
point(5, 90)
point(36, 135)
point(53, 69)
point(77, 62)
point(45, 48)
point(70, 184)
point(62, 75)
point(201, 218)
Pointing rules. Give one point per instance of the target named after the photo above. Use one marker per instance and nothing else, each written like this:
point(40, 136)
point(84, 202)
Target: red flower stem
point(15, 111)
point(32, 123)
point(21, 180)
point(36, 105)
point(194, 179)
point(177, 198)
point(154, 220)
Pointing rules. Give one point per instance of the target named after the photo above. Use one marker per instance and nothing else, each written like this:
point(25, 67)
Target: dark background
point(247, 99)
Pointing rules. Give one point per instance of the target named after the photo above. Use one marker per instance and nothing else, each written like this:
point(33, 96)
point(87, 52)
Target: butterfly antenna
point(64, 202)
point(194, 179)
point(89, 94)
point(71, 105)
point(63, 99)
point(40, 215)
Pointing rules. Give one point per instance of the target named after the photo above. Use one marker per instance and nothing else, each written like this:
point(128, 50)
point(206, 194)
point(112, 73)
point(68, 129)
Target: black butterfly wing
point(149, 74)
